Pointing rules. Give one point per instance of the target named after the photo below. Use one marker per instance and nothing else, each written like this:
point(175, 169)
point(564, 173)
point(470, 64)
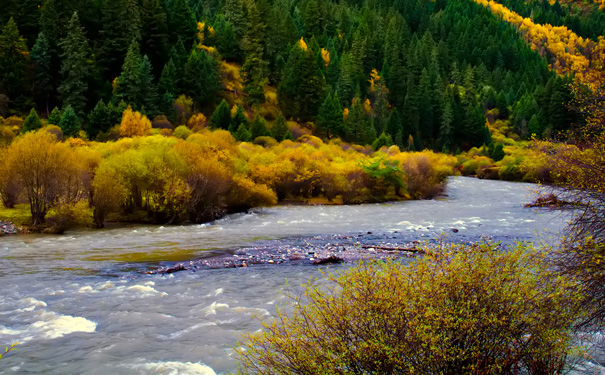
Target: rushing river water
point(81, 304)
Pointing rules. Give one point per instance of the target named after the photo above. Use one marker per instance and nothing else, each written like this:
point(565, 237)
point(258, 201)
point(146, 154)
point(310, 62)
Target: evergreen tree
point(98, 120)
point(394, 128)
point(474, 120)
point(238, 118)
point(221, 118)
point(280, 129)
point(154, 30)
point(150, 98)
point(169, 79)
point(13, 60)
point(115, 37)
point(74, 67)
point(179, 56)
point(446, 131)
point(200, 78)
point(129, 83)
point(70, 124)
point(258, 128)
point(383, 140)
point(55, 117)
point(243, 134)
point(255, 68)
point(181, 22)
point(411, 113)
point(330, 117)
point(32, 122)
point(426, 115)
point(302, 85)
point(227, 42)
point(362, 131)
point(41, 57)
point(497, 152)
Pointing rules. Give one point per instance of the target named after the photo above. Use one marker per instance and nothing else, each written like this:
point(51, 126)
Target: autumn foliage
point(457, 310)
point(204, 175)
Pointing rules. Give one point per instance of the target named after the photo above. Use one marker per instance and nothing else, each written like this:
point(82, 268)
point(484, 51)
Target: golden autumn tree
point(134, 124)
point(46, 169)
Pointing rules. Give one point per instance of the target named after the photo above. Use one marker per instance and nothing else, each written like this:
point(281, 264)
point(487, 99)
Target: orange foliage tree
point(134, 124)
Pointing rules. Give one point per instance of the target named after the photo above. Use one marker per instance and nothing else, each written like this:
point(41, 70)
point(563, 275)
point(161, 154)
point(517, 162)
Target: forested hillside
point(418, 74)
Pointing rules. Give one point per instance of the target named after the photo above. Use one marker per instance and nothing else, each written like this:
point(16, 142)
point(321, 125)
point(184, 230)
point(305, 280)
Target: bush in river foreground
point(460, 310)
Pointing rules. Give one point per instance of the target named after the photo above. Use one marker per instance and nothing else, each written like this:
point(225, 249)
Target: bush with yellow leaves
point(457, 310)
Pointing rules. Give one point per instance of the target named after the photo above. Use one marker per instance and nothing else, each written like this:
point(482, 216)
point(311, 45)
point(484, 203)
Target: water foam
point(56, 325)
point(174, 368)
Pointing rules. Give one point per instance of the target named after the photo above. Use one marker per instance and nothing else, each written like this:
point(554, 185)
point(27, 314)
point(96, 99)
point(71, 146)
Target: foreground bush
point(463, 310)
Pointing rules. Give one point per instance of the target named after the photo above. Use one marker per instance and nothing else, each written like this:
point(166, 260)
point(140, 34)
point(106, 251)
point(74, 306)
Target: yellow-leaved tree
point(134, 124)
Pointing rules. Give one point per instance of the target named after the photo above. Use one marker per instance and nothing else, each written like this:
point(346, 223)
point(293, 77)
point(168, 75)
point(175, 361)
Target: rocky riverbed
point(6, 227)
point(317, 250)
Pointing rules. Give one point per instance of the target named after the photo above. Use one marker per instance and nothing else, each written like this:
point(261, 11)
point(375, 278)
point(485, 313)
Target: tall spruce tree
point(41, 57)
point(69, 124)
point(200, 77)
point(221, 118)
point(32, 122)
point(129, 83)
point(13, 61)
point(181, 22)
point(255, 68)
point(74, 68)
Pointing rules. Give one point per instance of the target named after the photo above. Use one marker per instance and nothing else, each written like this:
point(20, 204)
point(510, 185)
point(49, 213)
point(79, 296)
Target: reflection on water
point(80, 305)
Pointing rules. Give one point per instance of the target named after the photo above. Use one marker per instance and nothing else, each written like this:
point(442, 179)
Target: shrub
point(68, 215)
point(458, 310)
point(182, 132)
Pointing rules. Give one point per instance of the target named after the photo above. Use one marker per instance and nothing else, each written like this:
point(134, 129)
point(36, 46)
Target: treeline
point(566, 52)
point(585, 19)
point(161, 179)
point(412, 73)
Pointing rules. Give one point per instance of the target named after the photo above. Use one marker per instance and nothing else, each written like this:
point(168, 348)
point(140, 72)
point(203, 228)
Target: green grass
point(19, 215)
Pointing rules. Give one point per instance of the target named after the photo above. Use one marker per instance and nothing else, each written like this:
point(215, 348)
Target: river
point(81, 303)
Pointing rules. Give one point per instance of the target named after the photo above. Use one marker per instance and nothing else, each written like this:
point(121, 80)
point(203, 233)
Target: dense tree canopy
point(441, 65)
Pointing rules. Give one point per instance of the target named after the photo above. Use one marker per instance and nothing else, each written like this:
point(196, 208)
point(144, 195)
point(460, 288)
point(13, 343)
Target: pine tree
point(98, 120)
point(129, 83)
point(362, 131)
point(200, 78)
point(41, 57)
point(255, 68)
point(181, 22)
point(302, 85)
point(169, 79)
point(55, 117)
point(221, 118)
point(258, 128)
point(179, 56)
point(115, 37)
point(154, 30)
point(13, 60)
point(74, 67)
point(426, 115)
point(394, 128)
point(70, 124)
point(150, 98)
point(238, 118)
point(227, 42)
point(280, 129)
point(330, 117)
point(382, 141)
point(32, 122)
point(243, 134)
point(446, 132)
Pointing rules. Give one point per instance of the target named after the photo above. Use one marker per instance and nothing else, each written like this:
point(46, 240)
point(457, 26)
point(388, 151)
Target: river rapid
point(81, 303)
